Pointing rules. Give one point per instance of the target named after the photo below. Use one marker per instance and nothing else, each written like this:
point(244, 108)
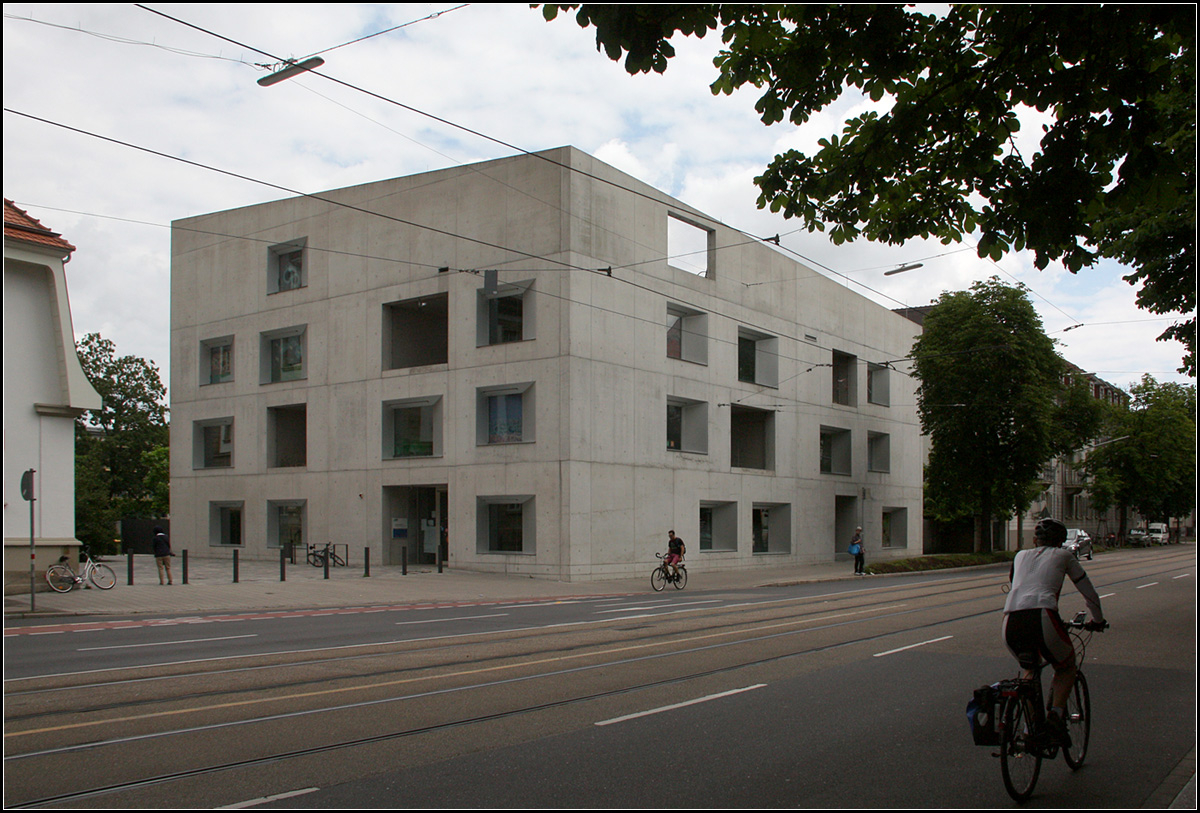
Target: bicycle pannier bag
point(981, 715)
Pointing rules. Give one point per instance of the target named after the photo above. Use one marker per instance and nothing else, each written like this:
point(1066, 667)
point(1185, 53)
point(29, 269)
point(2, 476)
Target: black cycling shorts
point(1038, 631)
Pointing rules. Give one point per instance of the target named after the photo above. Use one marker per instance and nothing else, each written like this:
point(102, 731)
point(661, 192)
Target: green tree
point(989, 384)
point(1113, 177)
point(1150, 464)
point(115, 471)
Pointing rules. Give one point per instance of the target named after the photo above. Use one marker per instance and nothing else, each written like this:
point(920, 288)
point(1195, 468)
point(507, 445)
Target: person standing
point(856, 550)
point(162, 555)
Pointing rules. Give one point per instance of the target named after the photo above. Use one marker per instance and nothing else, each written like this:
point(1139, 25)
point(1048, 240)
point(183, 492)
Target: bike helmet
point(1050, 532)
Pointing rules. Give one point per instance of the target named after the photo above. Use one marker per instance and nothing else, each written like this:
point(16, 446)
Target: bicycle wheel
point(60, 578)
point(658, 579)
point(1020, 756)
point(681, 579)
point(1079, 722)
point(103, 577)
point(338, 560)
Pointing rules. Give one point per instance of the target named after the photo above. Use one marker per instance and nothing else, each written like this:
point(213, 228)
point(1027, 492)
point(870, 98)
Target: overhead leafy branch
point(1113, 175)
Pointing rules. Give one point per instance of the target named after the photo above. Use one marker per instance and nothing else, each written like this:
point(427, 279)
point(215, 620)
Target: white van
point(1156, 532)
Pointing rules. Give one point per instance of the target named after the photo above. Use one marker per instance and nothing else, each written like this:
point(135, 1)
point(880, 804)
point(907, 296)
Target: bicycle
point(63, 579)
point(661, 576)
point(1024, 737)
point(317, 556)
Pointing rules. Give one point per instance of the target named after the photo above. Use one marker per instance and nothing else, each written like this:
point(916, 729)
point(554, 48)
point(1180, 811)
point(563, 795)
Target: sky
point(450, 85)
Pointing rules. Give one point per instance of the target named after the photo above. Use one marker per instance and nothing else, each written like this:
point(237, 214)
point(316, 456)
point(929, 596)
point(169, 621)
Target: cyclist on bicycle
point(675, 551)
point(1031, 620)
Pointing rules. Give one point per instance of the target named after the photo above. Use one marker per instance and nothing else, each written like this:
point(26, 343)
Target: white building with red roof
point(44, 390)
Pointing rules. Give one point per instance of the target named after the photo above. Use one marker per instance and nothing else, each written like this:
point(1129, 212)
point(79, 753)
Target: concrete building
point(44, 390)
point(540, 364)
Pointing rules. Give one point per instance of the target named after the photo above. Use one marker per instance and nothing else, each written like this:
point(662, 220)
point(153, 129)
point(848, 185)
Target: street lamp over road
point(292, 68)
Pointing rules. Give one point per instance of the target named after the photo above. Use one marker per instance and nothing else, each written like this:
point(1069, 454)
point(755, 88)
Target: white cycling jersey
point(1037, 580)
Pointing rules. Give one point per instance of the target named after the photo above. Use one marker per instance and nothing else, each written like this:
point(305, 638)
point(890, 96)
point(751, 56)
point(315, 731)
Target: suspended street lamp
point(292, 68)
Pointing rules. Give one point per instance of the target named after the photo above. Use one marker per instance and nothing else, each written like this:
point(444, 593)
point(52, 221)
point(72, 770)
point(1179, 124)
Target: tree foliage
point(990, 381)
point(119, 447)
point(1113, 177)
point(1149, 466)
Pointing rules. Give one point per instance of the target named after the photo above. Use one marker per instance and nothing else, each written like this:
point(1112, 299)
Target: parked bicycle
point(1012, 714)
point(63, 579)
point(317, 556)
point(662, 576)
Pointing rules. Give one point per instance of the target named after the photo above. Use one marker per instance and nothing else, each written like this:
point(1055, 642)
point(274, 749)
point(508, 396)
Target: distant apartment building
point(1064, 484)
point(45, 389)
point(536, 365)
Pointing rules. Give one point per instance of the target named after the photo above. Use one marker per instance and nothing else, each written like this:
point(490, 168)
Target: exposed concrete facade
point(345, 369)
point(44, 390)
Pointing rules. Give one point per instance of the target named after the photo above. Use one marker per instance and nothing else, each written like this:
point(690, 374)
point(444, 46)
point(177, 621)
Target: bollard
point(404, 560)
point(439, 558)
point(366, 562)
point(282, 565)
point(129, 565)
point(328, 556)
point(235, 566)
point(185, 565)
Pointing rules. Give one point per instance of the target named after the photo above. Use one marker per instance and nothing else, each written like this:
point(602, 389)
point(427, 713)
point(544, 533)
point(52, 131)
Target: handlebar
point(1079, 623)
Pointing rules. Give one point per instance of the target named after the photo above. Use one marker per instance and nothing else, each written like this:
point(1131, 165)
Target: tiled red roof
point(19, 226)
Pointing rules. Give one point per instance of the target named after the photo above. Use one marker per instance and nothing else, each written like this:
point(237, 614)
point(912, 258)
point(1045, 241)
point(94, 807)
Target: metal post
point(404, 560)
point(366, 561)
point(439, 557)
point(185, 566)
point(328, 556)
point(129, 566)
point(27, 494)
point(235, 566)
point(282, 564)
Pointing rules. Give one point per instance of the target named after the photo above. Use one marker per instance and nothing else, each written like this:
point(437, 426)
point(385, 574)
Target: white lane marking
point(265, 799)
point(1182, 576)
point(456, 618)
point(912, 646)
point(164, 643)
point(674, 706)
point(1140, 586)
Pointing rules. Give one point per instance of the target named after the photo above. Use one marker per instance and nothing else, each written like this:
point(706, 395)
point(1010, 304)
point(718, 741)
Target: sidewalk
point(211, 588)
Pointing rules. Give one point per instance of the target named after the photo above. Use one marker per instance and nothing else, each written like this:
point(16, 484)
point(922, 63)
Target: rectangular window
point(835, 450)
point(285, 267)
point(895, 528)
point(505, 315)
point(287, 436)
point(225, 524)
point(879, 452)
point(213, 444)
point(758, 358)
point(687, 334)
point(216, 360)
point(416, 332)
point(413, 428)
point(751, 438)
point(687, 425)
point(878, 385)
point(718, 526)
point(690, 247)
point(285, 525)
point(506, 525)
point(283, 355)
point(505, 414)
point(771, 525)
point(845, 384)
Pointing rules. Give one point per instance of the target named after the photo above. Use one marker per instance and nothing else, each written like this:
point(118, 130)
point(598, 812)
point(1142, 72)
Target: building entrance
point(418, 526)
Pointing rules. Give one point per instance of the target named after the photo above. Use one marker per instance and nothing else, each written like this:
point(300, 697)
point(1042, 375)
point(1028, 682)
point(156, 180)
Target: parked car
point(1138, 538)
point(1079, 543)
point(1157, 532)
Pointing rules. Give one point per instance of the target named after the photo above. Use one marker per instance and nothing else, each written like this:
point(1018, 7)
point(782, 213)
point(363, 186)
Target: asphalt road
point(846, 694)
